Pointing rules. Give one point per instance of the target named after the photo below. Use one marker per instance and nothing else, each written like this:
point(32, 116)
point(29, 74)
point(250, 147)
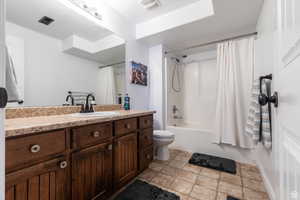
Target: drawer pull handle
point(63, 164)
point(96, 134)
point(109, 147)
point(148, 157)
point(127, 126)
point(35, 148)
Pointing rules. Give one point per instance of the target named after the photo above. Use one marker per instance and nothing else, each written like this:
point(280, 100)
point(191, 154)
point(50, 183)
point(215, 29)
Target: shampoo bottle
point(127, 102)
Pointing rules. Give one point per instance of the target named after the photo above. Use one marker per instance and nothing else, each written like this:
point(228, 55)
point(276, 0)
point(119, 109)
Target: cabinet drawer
point(91, 134)
point(146, 157)
point(146, 121)
point(125, 126)
point(146, 138)
point(26, 149)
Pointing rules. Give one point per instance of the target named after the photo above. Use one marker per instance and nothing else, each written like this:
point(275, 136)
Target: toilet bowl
point(162, 139)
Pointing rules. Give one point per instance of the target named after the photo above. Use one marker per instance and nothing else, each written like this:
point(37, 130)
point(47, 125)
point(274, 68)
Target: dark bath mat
point(232, 198)
point(213, 162)
point(140, 190)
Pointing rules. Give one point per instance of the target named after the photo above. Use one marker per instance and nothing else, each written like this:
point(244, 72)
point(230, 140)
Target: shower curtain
point(235, 64)
point(106, 93)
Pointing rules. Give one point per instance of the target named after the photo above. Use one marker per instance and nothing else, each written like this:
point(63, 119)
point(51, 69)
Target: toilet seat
point(163, 134)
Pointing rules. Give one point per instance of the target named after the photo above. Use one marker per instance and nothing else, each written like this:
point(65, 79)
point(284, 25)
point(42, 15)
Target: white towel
point(266, 125)
point(11, 80)
point(254, 116)
point(253, 121)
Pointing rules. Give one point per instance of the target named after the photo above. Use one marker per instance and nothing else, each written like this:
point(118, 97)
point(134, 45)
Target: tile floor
point(191, 182)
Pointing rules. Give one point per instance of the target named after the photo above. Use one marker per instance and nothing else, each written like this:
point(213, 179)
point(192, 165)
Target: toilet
point(162, 139)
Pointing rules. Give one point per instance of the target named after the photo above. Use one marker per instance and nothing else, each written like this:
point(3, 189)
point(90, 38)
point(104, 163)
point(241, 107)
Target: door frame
point(2, 84)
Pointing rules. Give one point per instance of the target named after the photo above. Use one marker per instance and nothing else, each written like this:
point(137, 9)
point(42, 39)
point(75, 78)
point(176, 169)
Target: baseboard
point(267, 182)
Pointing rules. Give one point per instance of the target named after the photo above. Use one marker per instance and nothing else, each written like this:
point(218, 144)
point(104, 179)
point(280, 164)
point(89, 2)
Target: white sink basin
point(95, 114)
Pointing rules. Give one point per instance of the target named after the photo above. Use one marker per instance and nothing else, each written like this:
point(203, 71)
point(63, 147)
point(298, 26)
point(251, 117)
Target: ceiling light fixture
point(87, 8)
point(150, 4)
point(84, 9)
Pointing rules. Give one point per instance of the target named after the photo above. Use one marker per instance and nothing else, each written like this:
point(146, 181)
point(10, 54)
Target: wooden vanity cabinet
point(92, 172)
point(79, 163)
point(44, 181)
point(125, 157)
point(145, 150)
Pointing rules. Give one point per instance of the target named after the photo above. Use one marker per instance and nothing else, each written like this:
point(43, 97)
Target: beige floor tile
point(187, 175)
point(191, 198)
point(175, 151)
point(182, 158)
point(230, 189)
point(201, 193)
point(206, 182)
point(251, 175)
point(168, 170)
point(210, 173)
point(254, 195)
point(254, 185)
point(221, 196)
point(177, 163)
point(163, 162)
point(185, 154)
point(192, 168)
point(147, 175)
point(156, 166)
point(249, 167)
point(238, 169)
point(162, 180)
point(182, 186)
point(230, 178)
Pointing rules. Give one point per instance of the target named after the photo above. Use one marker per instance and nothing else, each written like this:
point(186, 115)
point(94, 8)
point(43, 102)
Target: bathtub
point(192, 138)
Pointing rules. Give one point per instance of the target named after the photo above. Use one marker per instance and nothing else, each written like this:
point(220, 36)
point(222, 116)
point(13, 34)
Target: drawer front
point(92, 134)
point(146, 121)
point(30, 148)
point(146, 138)
point(146, 157)
point(125, 126)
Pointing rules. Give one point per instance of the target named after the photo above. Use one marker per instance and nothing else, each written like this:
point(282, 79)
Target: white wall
point(200, 89)
point(173, 98)
point(138, 52)
point(264, 62)
point(50, 73)
point(157, 83)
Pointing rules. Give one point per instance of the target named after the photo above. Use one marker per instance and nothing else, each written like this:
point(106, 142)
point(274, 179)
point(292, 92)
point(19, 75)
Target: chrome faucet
point(88, 107)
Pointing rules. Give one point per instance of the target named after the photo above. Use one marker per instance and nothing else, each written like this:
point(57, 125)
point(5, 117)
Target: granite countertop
point(30, 125)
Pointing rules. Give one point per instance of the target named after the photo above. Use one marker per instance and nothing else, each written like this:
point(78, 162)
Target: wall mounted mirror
point(58, 46)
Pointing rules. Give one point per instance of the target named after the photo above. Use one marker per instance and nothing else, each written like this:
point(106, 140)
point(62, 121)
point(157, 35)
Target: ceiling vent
point(150, 4)
point(46, 20)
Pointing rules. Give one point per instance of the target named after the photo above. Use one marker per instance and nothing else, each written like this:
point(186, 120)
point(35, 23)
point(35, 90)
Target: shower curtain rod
point(113, 64)
point(212, 42)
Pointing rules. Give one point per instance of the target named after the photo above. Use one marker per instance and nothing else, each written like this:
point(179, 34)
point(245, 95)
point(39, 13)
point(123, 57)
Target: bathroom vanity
point(63, 157)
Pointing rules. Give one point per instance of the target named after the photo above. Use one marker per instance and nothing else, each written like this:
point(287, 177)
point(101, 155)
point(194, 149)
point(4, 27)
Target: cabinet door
point(45, 181)
point(125, 159)
point(92, 172)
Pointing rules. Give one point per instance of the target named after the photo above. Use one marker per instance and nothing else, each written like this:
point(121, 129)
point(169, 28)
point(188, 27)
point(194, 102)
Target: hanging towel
point(11, 80)
point(266, 116)
point(258, 125)
point(253, 120)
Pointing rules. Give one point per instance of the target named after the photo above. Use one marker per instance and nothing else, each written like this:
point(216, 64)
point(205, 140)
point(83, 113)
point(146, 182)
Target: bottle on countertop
point(127, 102)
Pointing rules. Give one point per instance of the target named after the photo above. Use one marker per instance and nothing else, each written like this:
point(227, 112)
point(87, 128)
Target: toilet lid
point(163, 134)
